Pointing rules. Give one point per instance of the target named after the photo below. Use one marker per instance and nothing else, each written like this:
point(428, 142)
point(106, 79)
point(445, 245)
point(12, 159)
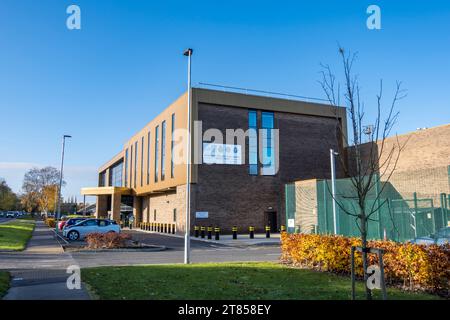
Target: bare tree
point(364, 163)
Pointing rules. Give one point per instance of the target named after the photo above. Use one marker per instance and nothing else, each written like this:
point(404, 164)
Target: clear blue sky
point(104, 82)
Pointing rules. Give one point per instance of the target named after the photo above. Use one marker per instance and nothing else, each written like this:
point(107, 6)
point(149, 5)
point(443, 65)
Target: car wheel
point(73, 235)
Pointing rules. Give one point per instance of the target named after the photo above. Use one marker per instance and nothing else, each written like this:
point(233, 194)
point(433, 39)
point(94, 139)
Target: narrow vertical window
point(126, 169)
point(172, 144)
point(154, 215)
point(142, 161)
point(175, 215)
point(268, 156)
point(252, 142)
point(163, 150)
point(156, 152)
point(148, 157)
point(135, 162)
point(131, 166)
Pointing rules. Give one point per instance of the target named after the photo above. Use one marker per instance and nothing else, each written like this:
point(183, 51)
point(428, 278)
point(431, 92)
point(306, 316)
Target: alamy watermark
point(74, 280)
point(73, 22)
point(374, 20)
point(229, 146)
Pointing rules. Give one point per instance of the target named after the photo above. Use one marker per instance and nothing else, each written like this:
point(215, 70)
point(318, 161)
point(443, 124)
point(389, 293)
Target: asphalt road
point(200, 252)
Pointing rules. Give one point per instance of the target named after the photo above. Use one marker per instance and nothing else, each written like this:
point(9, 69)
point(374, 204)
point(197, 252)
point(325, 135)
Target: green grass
point(270, 281)
point(15, 234)
point(4, 283)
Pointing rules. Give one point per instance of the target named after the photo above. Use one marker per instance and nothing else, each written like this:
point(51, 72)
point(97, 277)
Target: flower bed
point(110, 240)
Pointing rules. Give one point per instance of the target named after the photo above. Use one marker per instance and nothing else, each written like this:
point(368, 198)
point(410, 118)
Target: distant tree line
point(9, 201)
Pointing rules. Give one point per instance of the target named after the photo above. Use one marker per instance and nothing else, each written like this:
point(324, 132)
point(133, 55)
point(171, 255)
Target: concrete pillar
point(137, 210)
point(107, 177)
point(115, 206)
point(101, 207)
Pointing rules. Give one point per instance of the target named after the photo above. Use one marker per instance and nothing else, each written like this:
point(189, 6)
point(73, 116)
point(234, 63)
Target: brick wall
point(232, 196)
point(423, 163)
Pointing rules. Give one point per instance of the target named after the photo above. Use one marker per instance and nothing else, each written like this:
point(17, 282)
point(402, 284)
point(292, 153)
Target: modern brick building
point(237, 182)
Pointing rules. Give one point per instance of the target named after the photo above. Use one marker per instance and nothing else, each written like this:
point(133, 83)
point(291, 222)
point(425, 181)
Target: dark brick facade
point(232, 196)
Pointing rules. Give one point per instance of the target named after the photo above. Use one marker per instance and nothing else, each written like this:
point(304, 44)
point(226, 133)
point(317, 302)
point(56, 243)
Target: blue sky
point(104, 82)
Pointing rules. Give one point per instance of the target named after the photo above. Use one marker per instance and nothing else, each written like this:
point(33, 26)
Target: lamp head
point(188, 52)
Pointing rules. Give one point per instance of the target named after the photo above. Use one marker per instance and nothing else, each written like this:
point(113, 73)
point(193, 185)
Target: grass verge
point(268, 281)
point(4, 283)
point(15, 234)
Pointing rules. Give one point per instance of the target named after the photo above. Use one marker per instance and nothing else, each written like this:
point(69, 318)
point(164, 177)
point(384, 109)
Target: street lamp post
point(187, 239)
point(333, 189)
point(58, 215)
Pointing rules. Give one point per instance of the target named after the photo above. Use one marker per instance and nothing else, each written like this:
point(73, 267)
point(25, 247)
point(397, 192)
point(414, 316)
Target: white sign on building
point(214, 153)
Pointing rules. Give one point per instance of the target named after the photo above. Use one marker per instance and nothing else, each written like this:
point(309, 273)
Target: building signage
point(214, 153)
point(291, 223)
point(201, 214)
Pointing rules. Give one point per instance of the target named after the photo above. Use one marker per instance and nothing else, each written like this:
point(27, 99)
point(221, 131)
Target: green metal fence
point(397, 216)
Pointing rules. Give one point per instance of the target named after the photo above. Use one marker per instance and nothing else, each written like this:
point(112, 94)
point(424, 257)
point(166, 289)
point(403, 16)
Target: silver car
point(441, 237)
point(80, 230)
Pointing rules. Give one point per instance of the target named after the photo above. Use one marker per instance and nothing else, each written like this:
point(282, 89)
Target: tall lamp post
point(333, 189)
point(58, 215)
point(187, 236)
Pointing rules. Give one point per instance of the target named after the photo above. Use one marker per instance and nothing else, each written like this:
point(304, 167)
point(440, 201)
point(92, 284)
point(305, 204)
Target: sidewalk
point(44, 277)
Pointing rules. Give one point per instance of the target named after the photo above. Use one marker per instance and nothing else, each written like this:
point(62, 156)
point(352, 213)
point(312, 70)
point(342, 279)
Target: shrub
point(414, 267)
point(107, 240)
point(50, 222)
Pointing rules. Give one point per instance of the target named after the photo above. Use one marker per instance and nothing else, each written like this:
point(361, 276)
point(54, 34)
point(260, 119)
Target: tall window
point(154, 215)
point(252, 142)
point(156, 152)
point(115, 177)
point(142, 161)
point(131, 166)
point(148, 157)
point(268, 156)
point(126, 169)
point(135, 161)
point(175, 215)
point(163, 150)
point(102, 179)
point(172, 144)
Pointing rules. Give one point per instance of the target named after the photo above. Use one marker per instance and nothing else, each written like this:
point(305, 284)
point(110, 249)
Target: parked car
point(10, 214)
point(441, 237)
point(2, 214)
point(72, 222)
point(83, 228)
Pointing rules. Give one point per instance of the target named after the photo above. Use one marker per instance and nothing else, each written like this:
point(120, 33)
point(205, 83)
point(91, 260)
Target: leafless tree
point(365, 163)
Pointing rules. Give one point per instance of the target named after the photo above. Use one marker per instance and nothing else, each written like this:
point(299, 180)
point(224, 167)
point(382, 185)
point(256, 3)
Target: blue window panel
point(253, 142)
point(268, 161)
point(267, 120)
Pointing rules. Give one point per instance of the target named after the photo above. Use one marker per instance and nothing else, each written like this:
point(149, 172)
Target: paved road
point(200, 252)
point(3, 220)
point(39, 272)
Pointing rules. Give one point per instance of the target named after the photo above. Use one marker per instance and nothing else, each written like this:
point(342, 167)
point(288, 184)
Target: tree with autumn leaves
point(40, 189)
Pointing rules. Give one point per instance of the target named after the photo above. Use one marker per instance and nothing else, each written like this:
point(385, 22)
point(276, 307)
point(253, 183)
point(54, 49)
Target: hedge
point(50, 222)
point(412, 266)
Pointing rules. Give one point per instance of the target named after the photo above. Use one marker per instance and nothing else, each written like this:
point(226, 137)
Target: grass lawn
point(270, 281)
point(4, 283)
point(15, 234)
